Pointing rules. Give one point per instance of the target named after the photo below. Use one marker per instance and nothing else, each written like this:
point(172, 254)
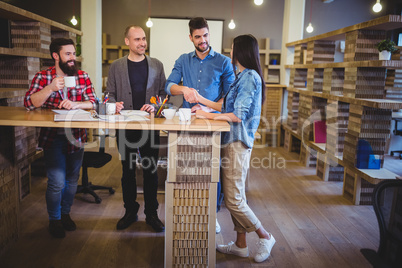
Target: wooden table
point(18, 116)
point(190, 195)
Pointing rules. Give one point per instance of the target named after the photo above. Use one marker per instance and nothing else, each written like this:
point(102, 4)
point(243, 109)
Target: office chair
point(397, 132)
point(94, 160)
point(387, 203)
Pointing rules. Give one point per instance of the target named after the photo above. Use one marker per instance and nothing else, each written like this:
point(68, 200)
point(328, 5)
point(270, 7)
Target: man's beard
point(200, 50)
point(67, 69)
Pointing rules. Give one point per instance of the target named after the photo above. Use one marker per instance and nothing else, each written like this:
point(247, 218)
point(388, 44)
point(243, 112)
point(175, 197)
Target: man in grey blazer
point(132, 81)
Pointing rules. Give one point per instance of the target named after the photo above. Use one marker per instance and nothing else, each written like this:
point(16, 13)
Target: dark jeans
point(146, 142)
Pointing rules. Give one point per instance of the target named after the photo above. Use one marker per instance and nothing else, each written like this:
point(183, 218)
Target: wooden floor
point(313, 224)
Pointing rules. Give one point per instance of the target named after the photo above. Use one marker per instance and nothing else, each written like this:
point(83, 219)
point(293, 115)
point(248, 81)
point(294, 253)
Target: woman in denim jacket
point(242, 109)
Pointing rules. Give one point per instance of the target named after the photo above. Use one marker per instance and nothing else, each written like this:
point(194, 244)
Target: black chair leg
point(88, 188)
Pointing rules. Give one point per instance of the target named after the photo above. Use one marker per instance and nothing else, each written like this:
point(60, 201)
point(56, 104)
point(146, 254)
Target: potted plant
point(386, 47)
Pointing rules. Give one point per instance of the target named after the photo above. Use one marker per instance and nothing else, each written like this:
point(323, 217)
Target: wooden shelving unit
point(271, 71)
point(108, 50)
point(270, 125)
point(351, 96)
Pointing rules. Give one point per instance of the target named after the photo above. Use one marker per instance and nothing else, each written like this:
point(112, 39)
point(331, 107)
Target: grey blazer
point(118, 82)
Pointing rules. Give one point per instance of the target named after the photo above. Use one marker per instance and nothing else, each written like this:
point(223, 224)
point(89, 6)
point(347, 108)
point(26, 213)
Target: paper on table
point(78, 111)
point(120, 118)
point(74, 117)
point(88, 117)
point(133, 112)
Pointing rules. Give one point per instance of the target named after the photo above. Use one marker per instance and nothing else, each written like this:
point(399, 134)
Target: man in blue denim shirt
point(204, 71)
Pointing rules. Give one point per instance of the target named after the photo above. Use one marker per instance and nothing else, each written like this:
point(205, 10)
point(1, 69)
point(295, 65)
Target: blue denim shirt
point(244, 100)
point(211, 77)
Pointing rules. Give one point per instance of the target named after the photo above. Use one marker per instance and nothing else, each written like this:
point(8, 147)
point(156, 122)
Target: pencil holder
point(160, 108)
point(101, 108)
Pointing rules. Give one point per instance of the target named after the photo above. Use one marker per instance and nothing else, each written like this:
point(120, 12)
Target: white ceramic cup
point(69, 81)
point(185, 114)
point(110, 108)
point(169, 113)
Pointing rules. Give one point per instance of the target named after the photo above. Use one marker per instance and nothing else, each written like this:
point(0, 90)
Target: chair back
point(388, 208)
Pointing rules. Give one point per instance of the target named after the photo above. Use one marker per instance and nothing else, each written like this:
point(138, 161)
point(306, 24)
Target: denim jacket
point(244, 100)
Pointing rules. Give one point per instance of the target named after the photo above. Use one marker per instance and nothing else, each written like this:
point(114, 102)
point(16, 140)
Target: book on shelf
point(364, 151)
point(374, 161)
point(320, 131)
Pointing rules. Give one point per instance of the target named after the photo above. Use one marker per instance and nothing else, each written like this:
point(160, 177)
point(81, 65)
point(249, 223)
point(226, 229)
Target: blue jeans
point(219, 196)
point(63, 172)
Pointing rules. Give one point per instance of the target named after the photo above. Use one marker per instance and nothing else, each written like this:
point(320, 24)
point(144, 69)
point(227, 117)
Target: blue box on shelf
point(374, 161)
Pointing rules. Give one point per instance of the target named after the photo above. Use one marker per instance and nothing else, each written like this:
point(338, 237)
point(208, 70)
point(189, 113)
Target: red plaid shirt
point(83, 91)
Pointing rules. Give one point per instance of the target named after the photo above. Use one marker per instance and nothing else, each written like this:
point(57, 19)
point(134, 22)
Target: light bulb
point(377, 7)
point(309, 28)
point(258, 2)
point(232, 25)
point(74, 21)
point(149, 23)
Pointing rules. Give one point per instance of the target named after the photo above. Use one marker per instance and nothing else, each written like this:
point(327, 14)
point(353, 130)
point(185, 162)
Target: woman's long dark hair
point(246, 52)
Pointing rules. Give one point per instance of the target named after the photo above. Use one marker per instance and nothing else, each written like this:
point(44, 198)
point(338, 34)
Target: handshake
point(191, 95)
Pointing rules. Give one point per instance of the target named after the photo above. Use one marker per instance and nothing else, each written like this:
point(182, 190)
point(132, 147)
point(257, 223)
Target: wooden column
point(190, 194)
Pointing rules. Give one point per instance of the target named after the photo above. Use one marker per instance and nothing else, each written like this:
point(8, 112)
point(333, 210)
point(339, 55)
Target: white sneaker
point(264, 247)
point(231, 248)
point(218, 227)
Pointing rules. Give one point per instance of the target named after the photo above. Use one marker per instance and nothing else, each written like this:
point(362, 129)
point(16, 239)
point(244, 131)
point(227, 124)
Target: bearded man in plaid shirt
point(63, 148)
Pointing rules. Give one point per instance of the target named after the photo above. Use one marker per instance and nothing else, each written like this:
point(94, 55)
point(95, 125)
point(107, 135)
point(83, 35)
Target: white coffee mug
point(185, 114)
point(110, 108)
point(169, 113)
point(69, 81)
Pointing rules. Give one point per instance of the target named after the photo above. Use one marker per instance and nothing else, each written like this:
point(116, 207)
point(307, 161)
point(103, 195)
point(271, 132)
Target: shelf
point(12, 92)
point(386, 23)
point(373, 103)
point(268, 85)
point(23, 53)
point(389, 64)
point(274, 67)
point(371, 175)
point(355, 96)
point(10, 12)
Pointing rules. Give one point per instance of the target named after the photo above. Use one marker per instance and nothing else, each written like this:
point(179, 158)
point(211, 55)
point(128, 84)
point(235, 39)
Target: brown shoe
point(56, 229)
point(68, 223)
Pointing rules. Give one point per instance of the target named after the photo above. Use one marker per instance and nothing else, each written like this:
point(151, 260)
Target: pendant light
point(73, 19)
point(258, 2)
point(232, 25)
point(310, 28)
point(377, 7)
point(149, 21)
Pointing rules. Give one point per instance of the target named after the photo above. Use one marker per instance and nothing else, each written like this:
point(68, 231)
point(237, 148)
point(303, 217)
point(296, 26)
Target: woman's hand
point(201, 114)
point(195, 108)
point(190, 95)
